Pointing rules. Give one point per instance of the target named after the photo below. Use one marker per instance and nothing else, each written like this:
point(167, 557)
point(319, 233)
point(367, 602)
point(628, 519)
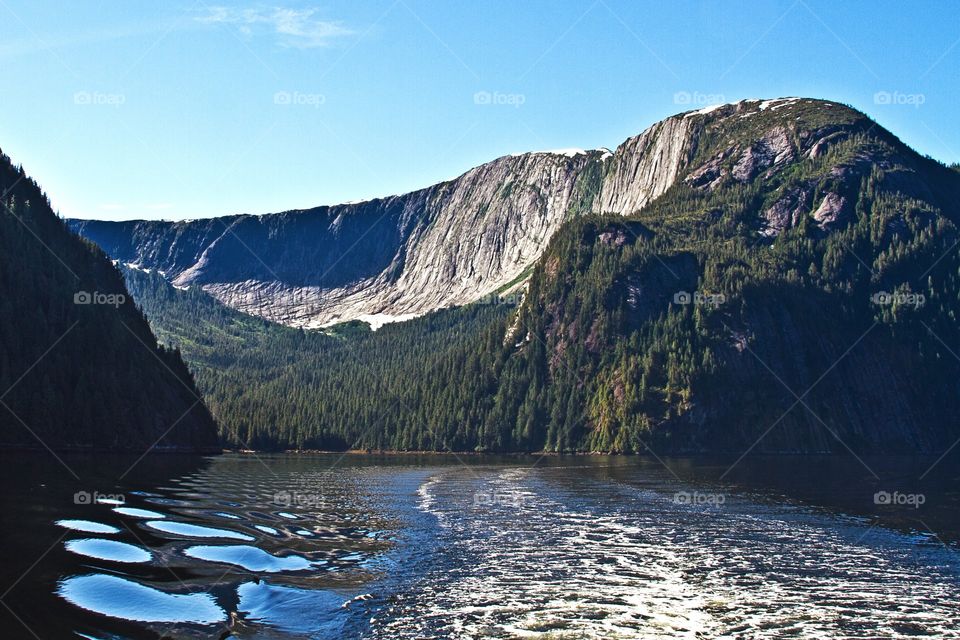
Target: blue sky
point(130, 109)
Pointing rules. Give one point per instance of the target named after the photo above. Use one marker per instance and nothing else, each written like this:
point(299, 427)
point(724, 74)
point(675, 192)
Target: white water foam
point(531, 563)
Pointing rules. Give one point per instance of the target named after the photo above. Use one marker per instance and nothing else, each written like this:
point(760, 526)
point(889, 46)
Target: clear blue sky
point(179, 109)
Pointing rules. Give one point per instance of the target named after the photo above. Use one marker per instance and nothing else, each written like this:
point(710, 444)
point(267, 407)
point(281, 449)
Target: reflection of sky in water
point(197, 531)
point(139, 513)
point(120, 598)
point(86, 526)
point(109, 550)
point(248, 557)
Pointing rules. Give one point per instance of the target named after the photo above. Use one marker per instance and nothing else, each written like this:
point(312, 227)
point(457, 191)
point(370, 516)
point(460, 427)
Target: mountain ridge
point(401, 256)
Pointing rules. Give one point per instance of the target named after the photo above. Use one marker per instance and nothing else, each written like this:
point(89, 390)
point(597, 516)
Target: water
point(436, 546)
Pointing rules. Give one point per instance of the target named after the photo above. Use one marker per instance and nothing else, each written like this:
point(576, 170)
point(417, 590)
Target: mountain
point(79, 365)
point(774, 276)
point(402, 256)
point(398, 256)
point(794, 290)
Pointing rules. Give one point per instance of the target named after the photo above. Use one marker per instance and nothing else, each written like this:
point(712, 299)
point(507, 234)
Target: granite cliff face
point(457, 241)
point(645, 166)
point(382, 259)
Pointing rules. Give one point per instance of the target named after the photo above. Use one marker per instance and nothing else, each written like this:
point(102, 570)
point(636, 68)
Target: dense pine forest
point(79, 366)
point(810, 305)
point(274, 387)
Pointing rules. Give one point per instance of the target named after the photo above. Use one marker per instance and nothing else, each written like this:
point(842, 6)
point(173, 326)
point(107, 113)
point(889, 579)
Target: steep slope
point(793, 287)
point(445, 245)
point(79, 366)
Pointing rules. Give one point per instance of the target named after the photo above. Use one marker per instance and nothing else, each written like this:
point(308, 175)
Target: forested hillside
point(826, 317)
point(79, 366)
point(412, 385)
point(796, 288)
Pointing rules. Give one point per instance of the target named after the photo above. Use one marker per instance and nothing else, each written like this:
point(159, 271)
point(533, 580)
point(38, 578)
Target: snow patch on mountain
point(377, 320)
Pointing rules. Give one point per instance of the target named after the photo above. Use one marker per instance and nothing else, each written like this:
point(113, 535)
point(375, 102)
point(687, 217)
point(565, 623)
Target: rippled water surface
point(433, 547)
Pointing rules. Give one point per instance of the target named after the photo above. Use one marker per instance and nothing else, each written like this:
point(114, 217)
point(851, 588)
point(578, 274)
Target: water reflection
point(120, 598)
point(250, 558)
point(86, 526)
point(281, 608)
point(109, 550)
point(133, 512)
point(195, 531)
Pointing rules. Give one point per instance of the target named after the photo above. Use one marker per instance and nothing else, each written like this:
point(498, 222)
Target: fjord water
point(365, 546)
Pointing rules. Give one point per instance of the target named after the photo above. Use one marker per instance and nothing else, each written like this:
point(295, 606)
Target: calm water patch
point(109, 550)
point(196, 531)
point(120, 598)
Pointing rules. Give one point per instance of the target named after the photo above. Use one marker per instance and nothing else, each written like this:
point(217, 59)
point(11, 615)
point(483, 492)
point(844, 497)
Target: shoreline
point(16, 448)
point(559, 454)
point(215, 451)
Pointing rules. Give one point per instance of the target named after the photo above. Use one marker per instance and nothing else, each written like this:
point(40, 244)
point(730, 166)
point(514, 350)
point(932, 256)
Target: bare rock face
point(386, 259)
point(710, 174)
point(823, 142)
point(830, 211)
point(786, 212)
point(772, 150)
point(454, 242)
point(645, 166)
